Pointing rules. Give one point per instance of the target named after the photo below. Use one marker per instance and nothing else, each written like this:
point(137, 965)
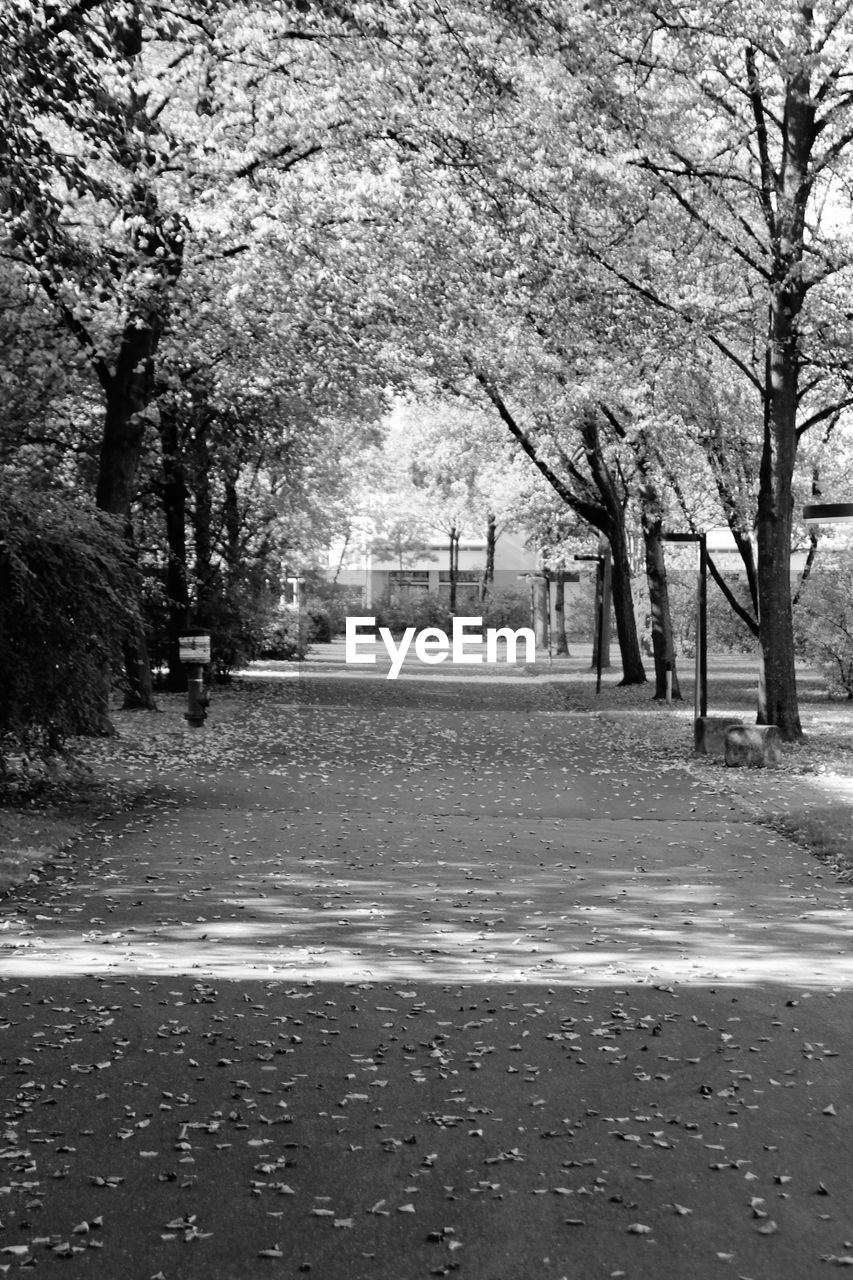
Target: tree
point(739, 120)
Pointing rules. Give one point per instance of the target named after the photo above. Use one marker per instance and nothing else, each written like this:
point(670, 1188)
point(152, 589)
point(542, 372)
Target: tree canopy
point(232, 233)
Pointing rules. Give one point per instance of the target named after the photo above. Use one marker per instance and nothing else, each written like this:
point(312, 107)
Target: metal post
point(606, 594)
point(700, 684)
point(602, 601)
point(702, 612)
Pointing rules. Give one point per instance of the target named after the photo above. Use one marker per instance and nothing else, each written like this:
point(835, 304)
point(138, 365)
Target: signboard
point(194, 648)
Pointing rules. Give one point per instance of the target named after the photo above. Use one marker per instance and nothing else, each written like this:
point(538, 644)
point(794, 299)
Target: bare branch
point(769, 182)
point(733, 601)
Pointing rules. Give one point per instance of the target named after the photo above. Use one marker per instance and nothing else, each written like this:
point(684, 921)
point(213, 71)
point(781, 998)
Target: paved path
point(427, 983)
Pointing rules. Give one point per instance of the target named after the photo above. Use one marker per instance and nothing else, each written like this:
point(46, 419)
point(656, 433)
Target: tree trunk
point(777, 695)
point(454, 566)
point(540, 610)
point(662, 642)
point(602, 616)
point(174, 498)
point(121, 447)
point(633, 671)
point(205, 573)
point(491, 543)
point(561, 645)
point(777, 698)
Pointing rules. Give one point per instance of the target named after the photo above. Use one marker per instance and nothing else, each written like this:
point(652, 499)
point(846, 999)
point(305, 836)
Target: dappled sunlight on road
point(591, 921)
point(354, 832)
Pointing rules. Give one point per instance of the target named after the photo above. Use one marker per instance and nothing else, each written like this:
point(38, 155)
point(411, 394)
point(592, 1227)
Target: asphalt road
point(426, 981)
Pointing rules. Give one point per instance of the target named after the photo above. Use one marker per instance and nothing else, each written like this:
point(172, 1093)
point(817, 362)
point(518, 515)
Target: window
point(408, 580)
point(462, 575)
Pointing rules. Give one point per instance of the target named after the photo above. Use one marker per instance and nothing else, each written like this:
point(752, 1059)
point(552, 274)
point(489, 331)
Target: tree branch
point(735, 604)
point(271, 160)
point(768, 180)
point(650, 296)
point(591, 512)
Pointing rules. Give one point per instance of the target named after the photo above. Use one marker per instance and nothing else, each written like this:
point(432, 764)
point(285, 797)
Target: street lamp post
point(700, 693)
point(603, 613)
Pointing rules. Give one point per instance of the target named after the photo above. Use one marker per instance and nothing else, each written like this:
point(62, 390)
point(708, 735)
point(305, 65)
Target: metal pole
point(703, 625)
point(697, 656)
point(599, 648)
point(606, 595)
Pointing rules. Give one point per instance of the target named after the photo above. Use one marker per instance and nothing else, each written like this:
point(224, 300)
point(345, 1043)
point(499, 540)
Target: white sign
point(194, 648)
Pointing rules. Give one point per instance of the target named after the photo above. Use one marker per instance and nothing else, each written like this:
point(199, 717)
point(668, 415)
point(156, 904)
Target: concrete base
point(709, 734)
point(753, 746)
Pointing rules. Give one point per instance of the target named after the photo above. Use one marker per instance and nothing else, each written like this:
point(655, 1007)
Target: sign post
point(194, 652)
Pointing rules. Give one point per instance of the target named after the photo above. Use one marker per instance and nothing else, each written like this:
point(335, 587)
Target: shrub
point(727, 632)
point(240, 617)
point(68, 592)
point(416, 609)
point(288, 640)
point(506, 607)
point(824, 627)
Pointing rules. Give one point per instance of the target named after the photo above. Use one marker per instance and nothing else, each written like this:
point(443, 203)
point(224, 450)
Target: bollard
point(195, 653)
point(197, 697)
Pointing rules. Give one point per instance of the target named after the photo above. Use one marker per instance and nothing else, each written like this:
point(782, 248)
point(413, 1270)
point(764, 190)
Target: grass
point(35, 831)
point(808, 798)
point(823, 833)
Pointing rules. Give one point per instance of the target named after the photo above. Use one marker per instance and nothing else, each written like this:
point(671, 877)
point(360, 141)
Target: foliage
point(508, 607)
point(727, 633)
point(287, 640)
point(66, 592)
point(240, 615)
point(824, 626)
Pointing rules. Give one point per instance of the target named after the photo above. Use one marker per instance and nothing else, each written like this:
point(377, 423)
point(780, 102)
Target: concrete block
point(709, 734)
point(753, 746)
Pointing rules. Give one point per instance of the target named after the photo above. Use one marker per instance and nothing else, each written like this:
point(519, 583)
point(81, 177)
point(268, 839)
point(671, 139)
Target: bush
point(823, 625)
point(416, 609)
point(507, 607)
point(288, 640)
point(333, 600)
point(727, 632)
point(68, 592)
point(240, 618)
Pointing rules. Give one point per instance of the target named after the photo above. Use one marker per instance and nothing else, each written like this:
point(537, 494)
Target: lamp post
point(603, 602)
point(700, 693)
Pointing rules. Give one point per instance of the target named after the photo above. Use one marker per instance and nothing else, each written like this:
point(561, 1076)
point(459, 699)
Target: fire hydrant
point(195, 654)
point(198, 698)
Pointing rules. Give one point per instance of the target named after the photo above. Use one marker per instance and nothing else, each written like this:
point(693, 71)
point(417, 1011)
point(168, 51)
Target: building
point(371, 577)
